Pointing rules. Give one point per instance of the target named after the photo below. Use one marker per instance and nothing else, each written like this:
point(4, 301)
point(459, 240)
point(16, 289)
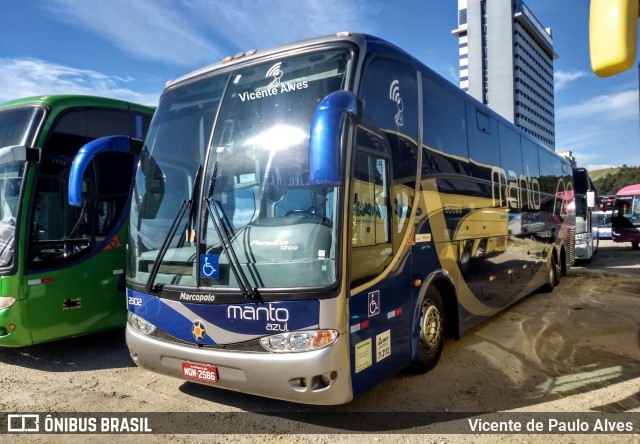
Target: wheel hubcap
point(431, 328)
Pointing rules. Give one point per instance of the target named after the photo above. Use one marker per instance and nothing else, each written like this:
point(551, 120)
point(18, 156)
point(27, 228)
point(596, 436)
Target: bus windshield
point(18, 127)
point(256, 196)
point(626, 211)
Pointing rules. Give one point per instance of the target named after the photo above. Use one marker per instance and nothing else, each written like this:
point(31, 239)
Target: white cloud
point(196, 32)
point(33, 77)
point(148, 29)
point(601, 130)
point(282, 22)
point(597, 143)
point(619, 106)
point(563, 78)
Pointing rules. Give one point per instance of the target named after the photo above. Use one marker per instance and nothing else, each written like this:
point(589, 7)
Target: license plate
point(199, 372)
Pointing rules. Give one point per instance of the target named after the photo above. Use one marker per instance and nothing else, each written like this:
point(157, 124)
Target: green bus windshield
point(18, 127)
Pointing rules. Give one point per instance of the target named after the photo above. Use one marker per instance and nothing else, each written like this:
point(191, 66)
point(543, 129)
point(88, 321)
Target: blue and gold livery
point(311, 219)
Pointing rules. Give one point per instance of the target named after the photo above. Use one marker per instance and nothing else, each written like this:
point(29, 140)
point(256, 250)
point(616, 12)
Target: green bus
point(61, 266)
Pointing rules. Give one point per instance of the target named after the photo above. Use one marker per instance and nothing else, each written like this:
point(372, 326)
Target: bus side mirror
point(19, 153)
point(591, 200)
point(86, 154)
point(327, 129)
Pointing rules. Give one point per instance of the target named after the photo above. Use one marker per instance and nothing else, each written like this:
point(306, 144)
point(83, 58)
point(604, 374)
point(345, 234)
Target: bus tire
point(431, 331)
point(553, 273)
point(635, 245)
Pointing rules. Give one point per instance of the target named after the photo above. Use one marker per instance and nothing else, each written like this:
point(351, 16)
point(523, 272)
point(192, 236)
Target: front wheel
point(431, 329)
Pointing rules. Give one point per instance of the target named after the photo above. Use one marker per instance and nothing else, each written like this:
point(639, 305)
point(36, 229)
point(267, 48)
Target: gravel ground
point(576, 349)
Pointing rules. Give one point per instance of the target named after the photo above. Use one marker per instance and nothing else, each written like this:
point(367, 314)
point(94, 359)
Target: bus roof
point(629, 190)
point(67, 100)
point(368, 43)
point(253, 53)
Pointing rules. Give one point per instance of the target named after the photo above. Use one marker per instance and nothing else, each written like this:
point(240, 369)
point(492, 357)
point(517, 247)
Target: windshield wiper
point(187, 203)
point(165, 243)
point(246, 289)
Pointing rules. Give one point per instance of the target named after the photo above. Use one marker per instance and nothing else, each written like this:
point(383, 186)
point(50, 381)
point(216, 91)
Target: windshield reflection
point(281, 228)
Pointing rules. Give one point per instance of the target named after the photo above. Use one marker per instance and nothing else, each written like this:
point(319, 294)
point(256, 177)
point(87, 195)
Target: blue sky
point(128, 49)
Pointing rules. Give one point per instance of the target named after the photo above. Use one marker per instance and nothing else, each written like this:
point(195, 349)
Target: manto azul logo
point(394, 95)
point(275, 318)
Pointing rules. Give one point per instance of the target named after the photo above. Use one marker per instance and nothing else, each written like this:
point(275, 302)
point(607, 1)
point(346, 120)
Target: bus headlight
point(299, 341)
point(6, 302)
point(140, 324)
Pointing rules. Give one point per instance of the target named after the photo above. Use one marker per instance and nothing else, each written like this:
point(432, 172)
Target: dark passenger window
point(445, 130)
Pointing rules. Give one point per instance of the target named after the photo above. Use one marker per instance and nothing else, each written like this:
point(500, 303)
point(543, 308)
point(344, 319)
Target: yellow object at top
point(613, 30)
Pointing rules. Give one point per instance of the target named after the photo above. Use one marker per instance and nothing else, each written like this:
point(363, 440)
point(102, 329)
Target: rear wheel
point(431, 329)
point(553, 273)
point(635, 245)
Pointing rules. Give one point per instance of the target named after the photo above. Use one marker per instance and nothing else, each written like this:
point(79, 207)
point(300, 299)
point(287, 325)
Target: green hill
point(599, 174)
point(610, 180)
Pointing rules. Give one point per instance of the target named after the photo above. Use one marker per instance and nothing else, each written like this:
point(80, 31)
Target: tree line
point(612, 182)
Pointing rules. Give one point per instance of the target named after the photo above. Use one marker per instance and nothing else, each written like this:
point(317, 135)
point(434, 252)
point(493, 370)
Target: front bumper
point(297, 377)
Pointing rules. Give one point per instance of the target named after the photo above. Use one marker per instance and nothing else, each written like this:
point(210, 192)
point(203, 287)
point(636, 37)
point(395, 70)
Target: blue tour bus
point(311, 219)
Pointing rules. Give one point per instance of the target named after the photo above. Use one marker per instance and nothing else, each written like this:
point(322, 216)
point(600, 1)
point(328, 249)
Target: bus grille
point(570, 242)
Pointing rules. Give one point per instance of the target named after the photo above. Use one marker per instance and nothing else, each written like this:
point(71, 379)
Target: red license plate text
point(199, 372)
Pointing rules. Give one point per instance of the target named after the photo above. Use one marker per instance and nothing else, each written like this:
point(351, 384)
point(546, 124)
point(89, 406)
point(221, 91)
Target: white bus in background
point(604, 224)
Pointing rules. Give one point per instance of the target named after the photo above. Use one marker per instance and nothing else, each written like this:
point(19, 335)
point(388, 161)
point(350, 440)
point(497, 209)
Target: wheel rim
point(430, 327)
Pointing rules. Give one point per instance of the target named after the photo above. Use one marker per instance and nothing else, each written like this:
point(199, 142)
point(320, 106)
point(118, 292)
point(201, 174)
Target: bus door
point(382, 195)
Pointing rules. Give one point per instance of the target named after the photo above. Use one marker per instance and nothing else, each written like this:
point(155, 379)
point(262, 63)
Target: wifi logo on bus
point(276, 72)
point(394, 94)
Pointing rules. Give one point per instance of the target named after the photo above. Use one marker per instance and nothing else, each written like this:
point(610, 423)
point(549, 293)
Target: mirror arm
point(86, 154)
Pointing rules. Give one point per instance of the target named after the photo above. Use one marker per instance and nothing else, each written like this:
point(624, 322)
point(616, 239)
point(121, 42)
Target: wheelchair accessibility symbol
point(374, 303)
point(209, 266)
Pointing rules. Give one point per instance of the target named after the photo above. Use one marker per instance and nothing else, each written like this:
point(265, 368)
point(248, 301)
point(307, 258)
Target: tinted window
point(389, 95)
point(550, 171)
point(445, 129)
point(510, 150)
point(530, 158)
point(484, 151)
